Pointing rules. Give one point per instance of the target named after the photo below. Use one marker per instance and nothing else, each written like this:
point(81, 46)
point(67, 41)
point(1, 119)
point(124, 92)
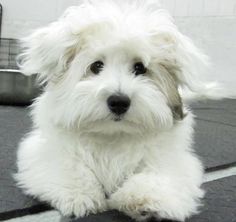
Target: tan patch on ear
point(176, 105)
point(69, 56)
point(177, 112)
point(167, 82)
point(174, 98)
point(171, 67)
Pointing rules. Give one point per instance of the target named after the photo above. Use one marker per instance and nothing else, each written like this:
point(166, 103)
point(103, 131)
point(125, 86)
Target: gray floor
point(51, 216)
point(220, 202)
point(216, 121)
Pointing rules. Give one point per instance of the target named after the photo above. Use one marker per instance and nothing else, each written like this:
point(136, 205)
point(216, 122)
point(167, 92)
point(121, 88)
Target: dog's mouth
point(117, 118)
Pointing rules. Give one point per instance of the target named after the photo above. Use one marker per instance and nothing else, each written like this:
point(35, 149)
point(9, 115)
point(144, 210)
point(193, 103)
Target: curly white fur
point(78, 158)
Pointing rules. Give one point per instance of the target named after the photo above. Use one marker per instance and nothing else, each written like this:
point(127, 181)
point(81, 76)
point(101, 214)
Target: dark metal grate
point(9, 49)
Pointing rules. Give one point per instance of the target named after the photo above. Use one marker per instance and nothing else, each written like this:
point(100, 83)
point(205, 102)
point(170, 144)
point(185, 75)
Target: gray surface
point(16, 88)
point(14, 123)
point(216, 131)
point(109, 216)
point(50, 216)
point(220, 202)
point(215, 142)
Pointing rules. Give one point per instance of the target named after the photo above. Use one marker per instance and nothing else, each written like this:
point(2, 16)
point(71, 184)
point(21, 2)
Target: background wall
point(210, 23)
point(20, 16)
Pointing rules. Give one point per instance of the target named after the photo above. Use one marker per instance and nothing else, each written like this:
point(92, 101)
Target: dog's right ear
point(48, 51)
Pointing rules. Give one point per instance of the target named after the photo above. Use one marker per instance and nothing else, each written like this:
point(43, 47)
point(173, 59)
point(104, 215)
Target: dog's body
point(157, 174)
point(110, 130)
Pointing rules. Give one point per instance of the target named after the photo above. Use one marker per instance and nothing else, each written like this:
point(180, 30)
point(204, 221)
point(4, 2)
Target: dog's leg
point(59, 177)
point(169, 190)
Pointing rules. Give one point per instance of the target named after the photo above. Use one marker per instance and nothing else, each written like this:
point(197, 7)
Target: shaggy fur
point(82, 159)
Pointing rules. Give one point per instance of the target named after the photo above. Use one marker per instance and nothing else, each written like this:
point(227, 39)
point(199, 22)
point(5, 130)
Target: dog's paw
point(146, 215)
point(140, 209)
point(143, 206)
point(80, 206)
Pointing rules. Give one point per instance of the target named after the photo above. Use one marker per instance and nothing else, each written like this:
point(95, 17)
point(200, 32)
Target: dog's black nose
point(118, 104)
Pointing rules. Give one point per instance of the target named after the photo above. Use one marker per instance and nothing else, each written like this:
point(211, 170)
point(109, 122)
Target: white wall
point(201, 7)
point(210, 23)
point(20, 16)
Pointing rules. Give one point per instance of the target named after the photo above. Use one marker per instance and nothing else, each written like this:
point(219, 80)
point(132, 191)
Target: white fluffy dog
point(110, 129)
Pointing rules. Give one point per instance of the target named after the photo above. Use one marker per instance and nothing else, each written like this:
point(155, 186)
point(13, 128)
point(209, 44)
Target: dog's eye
point(139, 68)
point(96, 67)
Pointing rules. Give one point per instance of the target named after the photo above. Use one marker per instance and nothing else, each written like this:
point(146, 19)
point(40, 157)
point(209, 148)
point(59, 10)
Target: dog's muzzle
point(118, 104)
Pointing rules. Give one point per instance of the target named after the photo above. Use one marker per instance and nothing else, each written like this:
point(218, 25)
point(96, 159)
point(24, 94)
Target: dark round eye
point(96, 67)
point(139, 68)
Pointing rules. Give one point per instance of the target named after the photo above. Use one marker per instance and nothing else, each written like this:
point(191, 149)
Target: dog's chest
point(113, 164)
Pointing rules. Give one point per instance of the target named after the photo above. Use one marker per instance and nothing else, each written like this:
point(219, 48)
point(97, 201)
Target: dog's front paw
point(80, 206)
point(146, 205)
point(139, 208)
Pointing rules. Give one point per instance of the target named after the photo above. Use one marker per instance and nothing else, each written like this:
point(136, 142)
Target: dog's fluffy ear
point(182, 64)
point(183, 60)
point(48, 51)
point(192, 63)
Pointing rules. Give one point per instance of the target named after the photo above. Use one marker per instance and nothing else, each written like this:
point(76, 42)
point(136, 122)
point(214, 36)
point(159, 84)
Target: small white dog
point(110, 129)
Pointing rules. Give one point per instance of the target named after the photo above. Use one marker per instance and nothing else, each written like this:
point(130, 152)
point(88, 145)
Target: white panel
point(227, 8)
point(169, 5)
point(181, 7)
point(19, 29)
point(195, 7)
point(216, 35)
point(29, 9)
point(19, 16)
point(211, 7)
point(62, 5)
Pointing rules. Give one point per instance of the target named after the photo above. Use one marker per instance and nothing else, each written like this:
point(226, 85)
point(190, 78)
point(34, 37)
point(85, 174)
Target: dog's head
point(112, 68)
